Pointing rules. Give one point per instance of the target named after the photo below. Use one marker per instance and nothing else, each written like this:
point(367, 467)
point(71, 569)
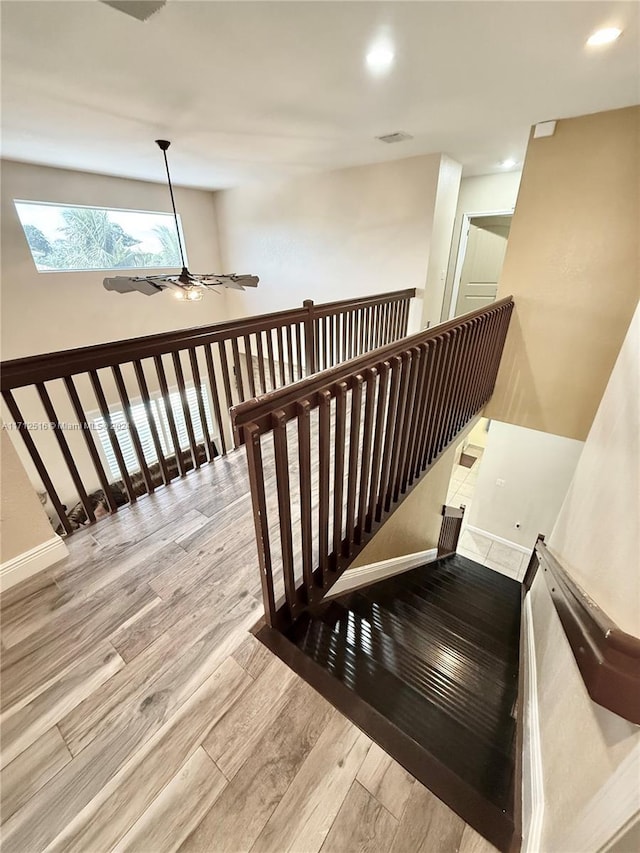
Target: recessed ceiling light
point(605, 36)
point(380, 57)
point(509, 163)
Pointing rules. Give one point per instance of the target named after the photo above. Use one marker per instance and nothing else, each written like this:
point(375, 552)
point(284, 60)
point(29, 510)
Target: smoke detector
point(398, 136)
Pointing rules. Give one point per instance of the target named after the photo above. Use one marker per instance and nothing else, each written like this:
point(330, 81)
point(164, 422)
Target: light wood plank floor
point(139, 714)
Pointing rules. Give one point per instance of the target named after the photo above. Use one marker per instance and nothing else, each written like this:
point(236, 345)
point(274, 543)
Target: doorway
point(483, 243)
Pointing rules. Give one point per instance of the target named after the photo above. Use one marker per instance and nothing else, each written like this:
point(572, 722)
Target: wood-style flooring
point(138, 713)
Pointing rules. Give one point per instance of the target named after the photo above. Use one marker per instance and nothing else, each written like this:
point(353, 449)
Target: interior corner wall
point(330, 235)
point(44, 312)
point(478, 194)
point(441, 236)
point(590, 757)
point(573, 268)
point(523, 479)
point(25, 525)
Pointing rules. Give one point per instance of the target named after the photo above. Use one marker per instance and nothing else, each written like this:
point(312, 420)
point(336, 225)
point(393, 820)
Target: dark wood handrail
point(363, 433)
point(19, 372)
point(607, 656)
point(259, 409)
point(172, 392)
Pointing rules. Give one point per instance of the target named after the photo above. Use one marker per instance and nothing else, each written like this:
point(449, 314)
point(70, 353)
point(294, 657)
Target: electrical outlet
point(500, 482)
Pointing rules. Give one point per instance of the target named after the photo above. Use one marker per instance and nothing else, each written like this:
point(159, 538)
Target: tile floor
point(494, 555)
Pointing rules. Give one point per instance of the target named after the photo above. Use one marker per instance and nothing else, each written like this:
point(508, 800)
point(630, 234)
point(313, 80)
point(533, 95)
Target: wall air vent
point(398, 136)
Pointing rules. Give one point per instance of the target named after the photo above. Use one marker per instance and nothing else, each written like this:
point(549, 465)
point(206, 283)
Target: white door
point(484, 256)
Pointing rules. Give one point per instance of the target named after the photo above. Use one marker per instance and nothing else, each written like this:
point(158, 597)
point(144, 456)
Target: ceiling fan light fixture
point(188, 286)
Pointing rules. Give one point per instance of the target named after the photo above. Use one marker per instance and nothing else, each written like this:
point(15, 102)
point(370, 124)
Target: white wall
point(536, 468)
point(441, 237)
point(332, 235)
point(44, 312)
point(591, 757)
point(479, 194)
point(597, 535)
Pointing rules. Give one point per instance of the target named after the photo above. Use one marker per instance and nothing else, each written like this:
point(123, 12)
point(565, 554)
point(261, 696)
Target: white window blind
point(141, 421)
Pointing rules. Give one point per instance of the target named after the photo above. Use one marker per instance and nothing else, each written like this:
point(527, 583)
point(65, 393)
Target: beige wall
point(572, 265)
point(24, 522)
point(597, 539)
point(535, 469)
point(44, 312)
point(478, 194)
point(332, 235)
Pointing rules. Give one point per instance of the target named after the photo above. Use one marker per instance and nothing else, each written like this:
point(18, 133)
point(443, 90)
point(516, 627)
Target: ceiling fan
point(187, 286)
point(138, 9)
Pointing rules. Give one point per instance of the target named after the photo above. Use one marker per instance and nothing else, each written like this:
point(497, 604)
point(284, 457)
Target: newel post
point(309, 337)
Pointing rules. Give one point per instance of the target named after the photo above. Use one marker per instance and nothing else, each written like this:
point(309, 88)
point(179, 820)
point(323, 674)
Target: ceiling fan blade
point(141, 10)
point(125, 284)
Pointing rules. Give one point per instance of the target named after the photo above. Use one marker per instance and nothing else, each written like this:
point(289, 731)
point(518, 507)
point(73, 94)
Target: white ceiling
point(248, 90)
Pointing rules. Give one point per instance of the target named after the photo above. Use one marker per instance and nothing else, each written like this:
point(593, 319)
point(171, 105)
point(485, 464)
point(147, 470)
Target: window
point(139, 415)
point(72, 238)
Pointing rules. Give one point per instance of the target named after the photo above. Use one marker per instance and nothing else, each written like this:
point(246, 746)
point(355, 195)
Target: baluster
point(64, 449)
point(248, 357)
point(292, 375)
point(468, 368)
point(168, 410)
point(310, 339)
point(197, 382)
point(324, 461)
point(133, 431)
point(371, 379)
point(409, 419)
point(299, 350)
point(399, 428)
point(316, 345)
point(446, 389)
point(350, 334)
point(237, 369)
point(354, 451)
point(215, 397)
point(260, 520)
point(325, 344)
point(279, 422)
point(146, 402)
point(343, 336)
point(106, 415)
point(304, 463)
point(177, 366)
point(272, 365)
point(88, 439)
point(226, 377)
point(37, 460)
point(261, 371)
point(423, 392)
point(436, 400)
point(338, 483)
point(452, 387)
point(281, 362)
point(396, 366)
point(383, 386)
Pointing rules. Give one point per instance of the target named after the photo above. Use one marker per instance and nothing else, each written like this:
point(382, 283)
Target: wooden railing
point(362, 434)
point(159, 405)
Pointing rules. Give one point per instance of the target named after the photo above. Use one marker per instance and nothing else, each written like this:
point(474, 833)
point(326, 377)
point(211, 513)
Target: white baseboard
point(365, 575)
point(532, 785)
point(31, 562)
point(522, 548)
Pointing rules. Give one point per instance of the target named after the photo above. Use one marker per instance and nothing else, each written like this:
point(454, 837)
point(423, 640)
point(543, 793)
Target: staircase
point(434, 654)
